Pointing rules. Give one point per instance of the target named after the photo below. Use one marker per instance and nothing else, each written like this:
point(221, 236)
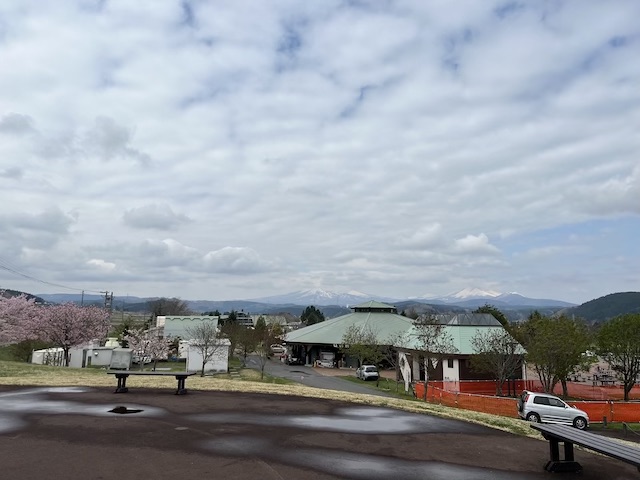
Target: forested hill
point(7, 293)
point(607, 307)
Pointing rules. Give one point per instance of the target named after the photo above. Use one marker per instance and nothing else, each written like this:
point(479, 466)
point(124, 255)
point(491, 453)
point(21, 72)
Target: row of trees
point(257, 340)
point(555, 347)
point(69, 325)
point(559, 347)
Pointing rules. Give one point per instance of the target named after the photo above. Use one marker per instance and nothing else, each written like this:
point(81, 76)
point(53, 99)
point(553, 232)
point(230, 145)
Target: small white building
point(48, 356)
point(79, 357)
point(219, 363)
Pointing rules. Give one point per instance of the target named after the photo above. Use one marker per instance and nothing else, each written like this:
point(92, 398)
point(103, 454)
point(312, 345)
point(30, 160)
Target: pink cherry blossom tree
point(69, 325)
point(16, 314)
point(147, 344)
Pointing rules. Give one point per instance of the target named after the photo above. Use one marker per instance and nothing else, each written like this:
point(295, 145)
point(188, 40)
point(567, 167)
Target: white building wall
point(77, 357)
point(99, 356)
point(451, 374)
point(49, 356)
point(219, 362)
point(415, 361)
point(177, 326)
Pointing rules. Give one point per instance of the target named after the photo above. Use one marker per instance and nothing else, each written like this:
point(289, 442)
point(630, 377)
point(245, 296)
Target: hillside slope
point(607, 307)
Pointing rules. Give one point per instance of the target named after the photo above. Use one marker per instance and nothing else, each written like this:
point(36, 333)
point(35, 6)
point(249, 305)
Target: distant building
point(286, 321)
point(242, 318)
point(320, 341)
point(177, 326)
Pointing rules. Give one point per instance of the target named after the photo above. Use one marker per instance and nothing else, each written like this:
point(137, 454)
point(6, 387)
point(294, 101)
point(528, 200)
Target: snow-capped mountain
point(475, 297)
point(470, 294)
point(320, 297)
point(464, 295)
point(467, 298)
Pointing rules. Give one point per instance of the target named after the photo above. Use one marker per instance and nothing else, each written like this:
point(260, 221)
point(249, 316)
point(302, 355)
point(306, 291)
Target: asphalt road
point(309, 377)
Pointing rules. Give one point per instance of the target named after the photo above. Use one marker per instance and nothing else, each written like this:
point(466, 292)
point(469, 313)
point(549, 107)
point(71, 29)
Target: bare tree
point(206, 339)
point(363, 343)
point(435, 343)
point(396, 341)
point(243, 340)
point(265, 337)
point(497, 353)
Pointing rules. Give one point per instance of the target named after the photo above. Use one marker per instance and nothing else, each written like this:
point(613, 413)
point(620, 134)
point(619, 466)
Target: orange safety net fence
point(442, 393)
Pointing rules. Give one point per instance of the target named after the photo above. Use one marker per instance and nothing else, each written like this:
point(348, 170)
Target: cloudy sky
point(231, 150)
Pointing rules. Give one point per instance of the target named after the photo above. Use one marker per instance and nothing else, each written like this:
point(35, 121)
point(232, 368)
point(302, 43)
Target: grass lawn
point(631, 428)
point(384, 385)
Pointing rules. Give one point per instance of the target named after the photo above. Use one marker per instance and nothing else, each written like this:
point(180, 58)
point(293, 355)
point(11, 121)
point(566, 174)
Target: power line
point(6, 265)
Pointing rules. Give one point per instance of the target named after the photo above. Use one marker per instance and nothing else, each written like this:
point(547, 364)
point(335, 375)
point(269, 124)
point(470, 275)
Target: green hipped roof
point(461, 327)
point(332, 331)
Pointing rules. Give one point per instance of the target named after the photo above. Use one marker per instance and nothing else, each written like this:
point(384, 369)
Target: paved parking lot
point(92, 433)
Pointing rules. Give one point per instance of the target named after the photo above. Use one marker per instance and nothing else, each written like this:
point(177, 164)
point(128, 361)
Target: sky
point(221, 150)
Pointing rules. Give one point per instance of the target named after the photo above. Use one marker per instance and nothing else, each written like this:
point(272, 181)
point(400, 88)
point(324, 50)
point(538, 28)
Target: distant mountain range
point(468, 298)
point(515, 306)
point(475, 297)
point(318, 297)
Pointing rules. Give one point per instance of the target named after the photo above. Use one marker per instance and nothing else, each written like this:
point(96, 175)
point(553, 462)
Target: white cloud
point(154, 216)
point(235, 260)
point(617, 195)
point(168, 252)
point(332, 144)
point(475, 244)
point(101, 264)
point(424, 237)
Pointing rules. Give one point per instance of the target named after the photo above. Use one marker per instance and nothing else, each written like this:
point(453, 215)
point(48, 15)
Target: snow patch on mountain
point(472, 293)
point(469, 293)
point(318, 296)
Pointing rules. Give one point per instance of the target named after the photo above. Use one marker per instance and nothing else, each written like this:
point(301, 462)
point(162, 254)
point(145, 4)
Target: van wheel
point(580, 423)
point(533, 417)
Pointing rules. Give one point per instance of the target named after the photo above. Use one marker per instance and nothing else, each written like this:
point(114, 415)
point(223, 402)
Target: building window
point(450, 362)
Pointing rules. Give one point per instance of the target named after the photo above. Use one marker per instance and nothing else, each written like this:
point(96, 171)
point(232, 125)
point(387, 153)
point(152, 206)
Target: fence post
point(611, 412)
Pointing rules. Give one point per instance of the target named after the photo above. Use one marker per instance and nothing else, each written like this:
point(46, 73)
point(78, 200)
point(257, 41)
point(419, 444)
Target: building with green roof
point(323, 340)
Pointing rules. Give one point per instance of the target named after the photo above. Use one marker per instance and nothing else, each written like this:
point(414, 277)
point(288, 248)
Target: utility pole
point(108, 302)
